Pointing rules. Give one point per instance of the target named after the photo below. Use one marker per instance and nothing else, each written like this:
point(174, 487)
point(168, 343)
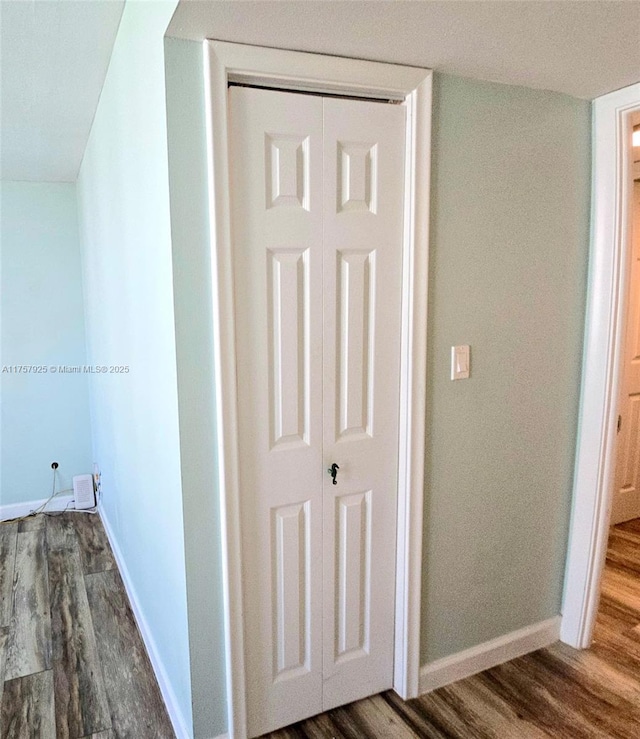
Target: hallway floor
point(72, 662)
point(556, 692)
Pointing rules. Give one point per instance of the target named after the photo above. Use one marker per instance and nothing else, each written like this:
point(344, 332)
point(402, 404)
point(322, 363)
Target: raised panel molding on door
point(287, 170)
point(355, 338)
point(357, 176)
point(290, 567)
point(353, 575)
point(288, 306)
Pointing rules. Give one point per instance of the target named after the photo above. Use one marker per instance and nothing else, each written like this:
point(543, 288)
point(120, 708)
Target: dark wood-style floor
point(556, 692)
point(72, 662)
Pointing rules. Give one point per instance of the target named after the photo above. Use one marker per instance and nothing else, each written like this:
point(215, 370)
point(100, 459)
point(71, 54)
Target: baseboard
point(173, 709)
point(17, 510)
point(447, 670)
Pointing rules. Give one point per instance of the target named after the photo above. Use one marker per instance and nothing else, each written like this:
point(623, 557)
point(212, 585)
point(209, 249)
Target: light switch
point(460, 362)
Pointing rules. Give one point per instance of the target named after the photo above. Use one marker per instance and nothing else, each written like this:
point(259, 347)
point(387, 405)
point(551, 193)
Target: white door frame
point(606, 306)
point(224, 63)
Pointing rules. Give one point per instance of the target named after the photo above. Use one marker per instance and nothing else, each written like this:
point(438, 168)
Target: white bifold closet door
point(317, 193)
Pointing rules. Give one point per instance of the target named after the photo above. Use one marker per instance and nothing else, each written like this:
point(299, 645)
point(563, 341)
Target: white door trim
point(595, 460)
point(225, 62)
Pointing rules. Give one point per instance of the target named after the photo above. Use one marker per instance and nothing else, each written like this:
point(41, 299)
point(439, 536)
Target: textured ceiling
point(53, 61)
point(54, 54)
point(583, 48)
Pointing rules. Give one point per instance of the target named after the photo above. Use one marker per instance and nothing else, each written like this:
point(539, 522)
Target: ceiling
point(583, 48)
point(53, 60)
point(54, 54)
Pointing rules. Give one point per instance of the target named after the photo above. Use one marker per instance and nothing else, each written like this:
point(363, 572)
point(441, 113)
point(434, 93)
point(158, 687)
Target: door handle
point(333, 471)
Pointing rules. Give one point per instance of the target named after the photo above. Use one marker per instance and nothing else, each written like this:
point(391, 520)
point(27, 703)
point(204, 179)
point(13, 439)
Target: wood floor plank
point(490, 714)
point(27, 710)
point(439, 714)
point(351, 722)
point(95, 549)
point(80, 696)
point(535, 701)
point(29, 648)
point(32, 523)
point(417, 715)
point(632, 526)
point(4, 640)
point(623, 550)
point(61, 533)
point(613, 617)
point(8, 536)
point(317, 727)
point(619, 538)
point(597, 702)
point(335, 723)
point(622, 588)
point(618, 650)
point(376, 717)
point(586, 661)
point(135, 702)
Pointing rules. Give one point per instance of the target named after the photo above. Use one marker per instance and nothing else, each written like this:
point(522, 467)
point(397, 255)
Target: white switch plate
point(460, 362)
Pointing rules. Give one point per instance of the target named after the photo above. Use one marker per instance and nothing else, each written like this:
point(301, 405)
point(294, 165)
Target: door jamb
point(227, 62)
point(595, 451)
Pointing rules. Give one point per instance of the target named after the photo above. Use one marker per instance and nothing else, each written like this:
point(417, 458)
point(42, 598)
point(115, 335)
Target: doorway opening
point(610, 260)
point(626, 486)
point(618, 615)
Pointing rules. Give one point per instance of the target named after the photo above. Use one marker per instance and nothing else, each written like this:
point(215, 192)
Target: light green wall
point(509, 245)
point(44, 417)
point(123, 203)
point(194, 346)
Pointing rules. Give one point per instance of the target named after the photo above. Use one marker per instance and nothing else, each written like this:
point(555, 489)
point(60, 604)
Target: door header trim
point(301, 71)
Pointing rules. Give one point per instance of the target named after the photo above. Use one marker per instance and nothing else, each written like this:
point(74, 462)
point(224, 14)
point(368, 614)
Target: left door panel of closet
point(276, 179)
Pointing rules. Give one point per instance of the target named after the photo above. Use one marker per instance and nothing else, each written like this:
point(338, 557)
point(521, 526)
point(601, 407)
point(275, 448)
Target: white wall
point(197, 404)
point(123, 204)
point(44, 415)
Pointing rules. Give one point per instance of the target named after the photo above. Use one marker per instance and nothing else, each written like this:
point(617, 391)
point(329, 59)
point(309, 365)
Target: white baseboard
point(173, 709)
point(17, 510)
point(447, 670)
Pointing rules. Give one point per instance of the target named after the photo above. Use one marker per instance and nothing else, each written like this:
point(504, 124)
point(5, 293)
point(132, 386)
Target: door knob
point(333, 471)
